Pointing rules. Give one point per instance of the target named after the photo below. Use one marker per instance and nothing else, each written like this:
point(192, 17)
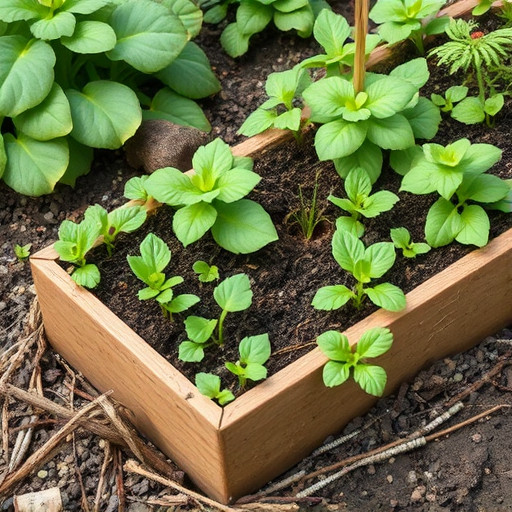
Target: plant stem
point(359, 290)
point(220, 338)
point(361, 28)
point(417, 39)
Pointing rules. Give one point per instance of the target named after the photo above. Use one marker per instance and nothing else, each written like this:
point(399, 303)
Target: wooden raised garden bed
point(234, 450)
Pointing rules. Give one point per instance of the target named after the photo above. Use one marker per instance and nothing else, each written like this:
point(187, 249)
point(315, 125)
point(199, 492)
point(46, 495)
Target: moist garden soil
point(470, 470)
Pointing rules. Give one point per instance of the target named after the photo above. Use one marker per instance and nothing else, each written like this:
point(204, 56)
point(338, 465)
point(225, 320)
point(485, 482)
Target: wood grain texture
point(166, 406)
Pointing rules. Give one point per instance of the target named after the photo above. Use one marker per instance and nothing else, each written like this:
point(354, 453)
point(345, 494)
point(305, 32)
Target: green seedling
point(472, 110)
point(209, 385)
point(408, 19)
point(212, 199)
point(387, 114)
point(279, 111)
point(364, 264)
point(342, 358)
point(333, 34)
point(22, 252)
point(452, 95)
point(206, 273)
point(75, 241)
point(135, 189)
point(199, 331)
point(360, 202)
point(254, 353)
point(120, 220)
point(148, 267)
point(457, 173)
point(402, 240)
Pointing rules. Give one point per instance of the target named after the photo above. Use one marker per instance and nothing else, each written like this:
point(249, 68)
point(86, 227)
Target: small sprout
point(155, 256)
point(209, 385)
point(199, 331)
point(22, 251)
point(402, 240)
point(343, 357)
point(452, 95)
point(206, 273)
point(254, 353)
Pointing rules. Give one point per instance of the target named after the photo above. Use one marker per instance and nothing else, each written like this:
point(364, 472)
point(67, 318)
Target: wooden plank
point(281, 420)
point(166, 406)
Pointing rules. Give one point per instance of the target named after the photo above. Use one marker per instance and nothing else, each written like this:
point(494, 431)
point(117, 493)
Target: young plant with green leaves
point(399, 20)
point(71, 75)
point(120, 220)
point(473, 51)
point(452, 95)
point(387, 114)
point(457, 173)
point(75, 241)
point(402, 240)
point(205, 273)
point(254, 353)
point(22, 252)
point(333, 33)
point(155, 255)
point(212, 199)
point(343, 358)
point(233, 294)
point(135, 189)
point(279, 111)
point(209, 385)
point(360, 202)
point(365, 265)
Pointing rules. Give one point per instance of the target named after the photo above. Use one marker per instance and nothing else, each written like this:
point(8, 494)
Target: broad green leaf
point(215, 158)
point(191, 222)
point(83, 6)
point(191, 352)
point(374, 342)
point(347, 249)
point(21, 10)
point(165, 297)
point(243, 226)
point(87, 276)
point(424, 119)
point(252, 17)
point(199, 329)
point(388, 10)
point(449, 155)
point(168, 105)
point(225, 396)
point(357, 184)
point(401, 238)
point(289, 120)
point(301, 20)
point(371, 378)
point(414, 71)
point(135, 188)
point(381, 257)
point(417, 248)
point(216, 14)
point(388, 96)
point(335, 373)
point(289, 5)
point(362, 270)
point(331, 31)
point(469, 111)
point(80, 159)
point(351, 225)
point(206, 272)
point(368, 157)
point(402, 161)
point(54, 27)
point(243, 162)
point(208, 384)
point(456, 93)
point(190, 73)
point(494, 104)
point(475, 226)
point(387, 296)
point(233, 41)
point(182, 303)
point(234, 369)
point(127, 219)
point(339, 138)
point(393, 32)
point(417, 180)
point(327, 98)
point(255, 349)
point(234, 293)
point(443, 223)
point(149, 37)
point(147, 293)
point(189, 14)
point(257, 122)
point(255, 372)
point(378, 203)
point(90, 37)
point(332, 297)
point(155, 253)
point(345, 204)
point(446, 180)
point(48, 120)
point(34, 167)
point(110, 107)
point(3, 156)
point(67, 250)
point(335, 346)
point(394, 132)
point(26, 73)
point(482, 188)
point(236, 184)
point(480, 157)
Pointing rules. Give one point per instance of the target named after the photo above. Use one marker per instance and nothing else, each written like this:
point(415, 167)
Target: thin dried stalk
point(361, 29)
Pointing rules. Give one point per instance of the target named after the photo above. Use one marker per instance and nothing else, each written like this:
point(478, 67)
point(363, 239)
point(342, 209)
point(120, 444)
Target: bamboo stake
point(361, 29)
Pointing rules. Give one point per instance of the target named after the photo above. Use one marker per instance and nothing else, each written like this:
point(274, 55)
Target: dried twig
point(107, 457)
point(118, 465)
point(84, 502)
point(5, 429)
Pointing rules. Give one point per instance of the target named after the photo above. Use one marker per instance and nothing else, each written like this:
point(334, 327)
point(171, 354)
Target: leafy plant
point(402, 240)
point(456, 172)
point(408, 19)
point(22, 252)
point(471, 110)
point(206, 273)
point(282, 88)
point(149, 266)
point(70, 77)
point(120, 220)
point(365, 264)
point(333, 33)
point(387, 114)
point(252, 16)
point(75, 241)
point(199, 332)
point(212, 199)
point(254, 353)
point(209, 385)
point(342, 358)
point(360, 202)
point(452, 95)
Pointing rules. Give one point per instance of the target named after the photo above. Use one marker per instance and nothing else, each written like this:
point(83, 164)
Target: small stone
point(476, 438)
point(3, 270)
point(393, 503)
point(389, 478)
point(487, 471)
point(3, 305)
point(391, 460)
point(411, 477)
point(48, 216)
point(458, 377)
point(42, 473)
point(430, 497)
point(371, 469)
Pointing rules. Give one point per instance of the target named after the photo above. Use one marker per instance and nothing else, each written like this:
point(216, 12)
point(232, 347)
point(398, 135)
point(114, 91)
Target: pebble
point(42, 474)
point(389, 478)
point(393, 503)
point(3, 305)
point(3, 270)
point(412, 477)
point(48, 216)
point(371, 469)
point(476, 438)
point(458, 377)
point(418, 493)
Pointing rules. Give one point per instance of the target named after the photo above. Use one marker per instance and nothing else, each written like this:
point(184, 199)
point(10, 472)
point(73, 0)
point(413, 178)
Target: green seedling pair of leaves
point(343, 358)
point(282, 88)
point(232, 295)
point(212, 199)
point(210, 386)
point(361, 202)
point(387, 114)
point(399, 20)
point(149, 266)
point(365, 264)
point(22, 252)
point(206, 273)
point(457, 173)
point(402, 240)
